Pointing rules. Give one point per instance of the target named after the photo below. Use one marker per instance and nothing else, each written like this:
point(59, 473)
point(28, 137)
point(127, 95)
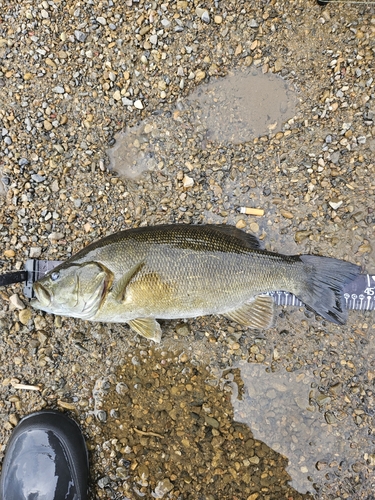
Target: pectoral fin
point(119, 289)
point(147, 327)
point(259, 313)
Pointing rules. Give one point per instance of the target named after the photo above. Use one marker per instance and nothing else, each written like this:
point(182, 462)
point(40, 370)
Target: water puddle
point(243, 105)
point(173, 419)
point(169, 432)
point(295, 417)
point(133, 153)
point(231, 110)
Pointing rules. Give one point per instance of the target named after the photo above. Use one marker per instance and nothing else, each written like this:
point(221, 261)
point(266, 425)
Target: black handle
point(14, 277)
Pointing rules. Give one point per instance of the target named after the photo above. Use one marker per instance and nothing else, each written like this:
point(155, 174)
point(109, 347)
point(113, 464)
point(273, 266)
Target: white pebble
point(138, 104)
point(55, 236)
point(187, 181)
point(16, 302)
point(205, 17)
point(154, 39)
point(80, 36)
point(335, 205)
point(58, 90)
point(127, 102)
point(35, 252)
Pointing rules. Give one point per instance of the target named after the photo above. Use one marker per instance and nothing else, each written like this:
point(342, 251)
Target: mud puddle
point(134, 152)
point(243, 105)
point(231, 110)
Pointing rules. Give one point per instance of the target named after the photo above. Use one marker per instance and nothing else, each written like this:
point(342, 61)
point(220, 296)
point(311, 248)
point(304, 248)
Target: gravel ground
point(215, 411)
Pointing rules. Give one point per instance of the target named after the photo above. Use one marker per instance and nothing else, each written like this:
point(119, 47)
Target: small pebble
point(187, 182)
point(47, 125)
point(200, 12)
point(35, 252)
point(183, 358)
point(241, 224)
point(24, 316)
point(9, 254)
point(162, 488)
point(335, 204)
point(38, 178)
point(16, 302)
point(58, 90)
point(55, 236)
point(127, 102)
point(200, 75)
point(13, 419)
point(138, 104)
point(154, 39)
point(80, 36)
point(286, 214)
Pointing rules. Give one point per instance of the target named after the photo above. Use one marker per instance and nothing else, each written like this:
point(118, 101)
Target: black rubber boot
point(45, 459)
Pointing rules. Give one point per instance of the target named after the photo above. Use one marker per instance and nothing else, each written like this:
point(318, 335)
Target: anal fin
point(259, 313)
point(147, 327)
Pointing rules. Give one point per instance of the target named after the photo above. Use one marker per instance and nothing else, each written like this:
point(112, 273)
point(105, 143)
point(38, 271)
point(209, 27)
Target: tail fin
point(323, 287)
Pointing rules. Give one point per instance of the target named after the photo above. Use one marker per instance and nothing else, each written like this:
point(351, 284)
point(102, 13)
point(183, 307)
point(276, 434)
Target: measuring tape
point(359, 294)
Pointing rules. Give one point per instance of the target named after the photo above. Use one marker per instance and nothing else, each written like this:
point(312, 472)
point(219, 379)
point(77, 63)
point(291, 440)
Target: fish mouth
point(42, 295)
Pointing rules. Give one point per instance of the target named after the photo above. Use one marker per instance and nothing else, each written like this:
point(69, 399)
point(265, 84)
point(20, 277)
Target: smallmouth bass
point(183, 271)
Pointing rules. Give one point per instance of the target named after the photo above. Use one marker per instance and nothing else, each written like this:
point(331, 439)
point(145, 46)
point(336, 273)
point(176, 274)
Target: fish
point(139, 275)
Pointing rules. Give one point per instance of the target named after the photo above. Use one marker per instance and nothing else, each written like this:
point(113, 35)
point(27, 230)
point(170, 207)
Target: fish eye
point(55, 276)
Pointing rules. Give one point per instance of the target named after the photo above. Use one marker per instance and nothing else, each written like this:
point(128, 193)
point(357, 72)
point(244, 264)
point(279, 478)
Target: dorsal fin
point(245, 239)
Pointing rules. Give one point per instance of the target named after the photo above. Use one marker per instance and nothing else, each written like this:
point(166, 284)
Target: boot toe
point(46, 459)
